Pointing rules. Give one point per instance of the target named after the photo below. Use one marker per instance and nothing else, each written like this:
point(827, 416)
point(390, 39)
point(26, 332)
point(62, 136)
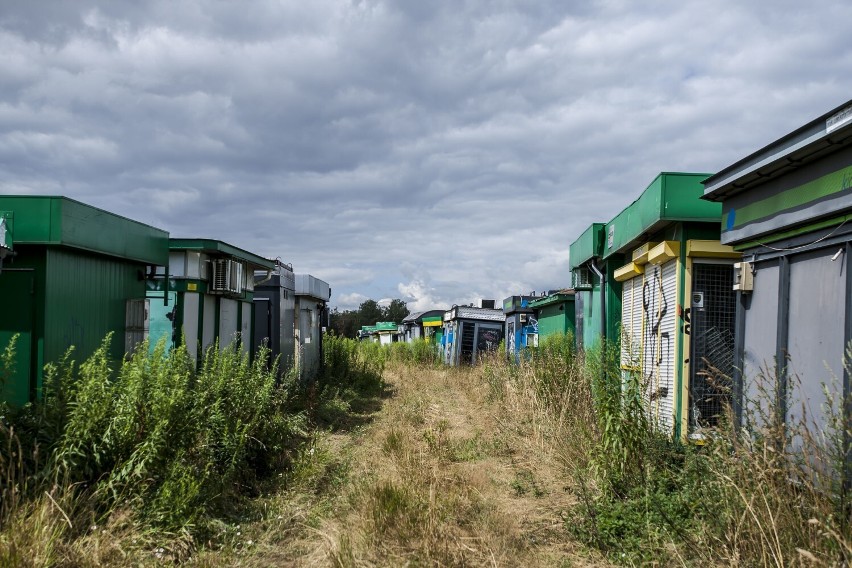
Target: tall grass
point(151, 438)
point(769, 497)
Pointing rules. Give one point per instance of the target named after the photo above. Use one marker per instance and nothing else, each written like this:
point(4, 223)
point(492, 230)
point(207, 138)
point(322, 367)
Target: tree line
point(346, 323)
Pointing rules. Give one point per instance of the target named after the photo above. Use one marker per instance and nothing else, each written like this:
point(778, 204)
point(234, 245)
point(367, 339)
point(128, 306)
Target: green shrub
point(173, 442)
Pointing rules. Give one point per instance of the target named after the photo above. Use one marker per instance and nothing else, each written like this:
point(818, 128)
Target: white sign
point(837, 120)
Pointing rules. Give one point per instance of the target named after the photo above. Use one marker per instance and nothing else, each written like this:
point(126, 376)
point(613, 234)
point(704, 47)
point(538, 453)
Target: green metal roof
point(587, 246)
point(553, 299)
point(214, 246)
point(60, 221)
point(671, 197)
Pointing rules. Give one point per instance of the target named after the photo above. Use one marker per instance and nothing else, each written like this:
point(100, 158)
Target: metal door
point(468, 336)
point(712, 314)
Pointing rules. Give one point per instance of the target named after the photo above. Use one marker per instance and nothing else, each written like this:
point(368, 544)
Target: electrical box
point(743, 277)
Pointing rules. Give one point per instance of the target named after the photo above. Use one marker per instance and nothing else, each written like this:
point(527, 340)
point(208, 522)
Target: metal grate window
point(713, 312)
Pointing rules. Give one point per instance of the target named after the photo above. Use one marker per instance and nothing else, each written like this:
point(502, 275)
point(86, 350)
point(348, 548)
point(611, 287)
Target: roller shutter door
point(659, 302)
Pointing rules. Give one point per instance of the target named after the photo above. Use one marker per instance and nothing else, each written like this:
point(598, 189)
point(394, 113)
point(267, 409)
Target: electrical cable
point(807, 245)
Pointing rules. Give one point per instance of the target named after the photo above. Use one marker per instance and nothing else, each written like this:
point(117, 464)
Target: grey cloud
point(444, 151)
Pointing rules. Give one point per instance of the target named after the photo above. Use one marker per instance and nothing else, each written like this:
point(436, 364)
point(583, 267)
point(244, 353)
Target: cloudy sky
point(436, 151)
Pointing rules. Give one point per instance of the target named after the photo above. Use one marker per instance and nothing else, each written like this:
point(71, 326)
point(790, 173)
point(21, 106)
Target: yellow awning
point(710, 249)
point(628, 271)
point(664, 252)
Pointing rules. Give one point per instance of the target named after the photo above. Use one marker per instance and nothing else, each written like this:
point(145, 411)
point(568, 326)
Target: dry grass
point(444, 475)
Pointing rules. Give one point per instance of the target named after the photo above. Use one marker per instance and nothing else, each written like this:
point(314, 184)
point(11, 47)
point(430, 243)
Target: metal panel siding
point(309, 346)
point(307, 285)
point(208, 332)
point(228, 324)
point(59, 220)
point(245, 327)
point(587, 246)
point(34, 218)
point(682, 198)
point(93, 229)
point(800, 196)
point(84, 300)
point(817, 297)
point(592, 317)
point(287, 330)
point(552, 321)
point(191, 305)
point(162, 327)
point(761, 315)
point(219, 248)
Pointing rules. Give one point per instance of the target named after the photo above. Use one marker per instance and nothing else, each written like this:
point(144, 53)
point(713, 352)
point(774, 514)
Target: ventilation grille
point(227, 276)
point(582, 279)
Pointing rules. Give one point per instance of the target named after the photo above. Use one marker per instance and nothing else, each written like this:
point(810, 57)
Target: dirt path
point(438, 475)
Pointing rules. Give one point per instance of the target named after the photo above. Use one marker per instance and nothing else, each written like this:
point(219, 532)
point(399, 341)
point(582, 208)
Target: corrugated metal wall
point(85, 299)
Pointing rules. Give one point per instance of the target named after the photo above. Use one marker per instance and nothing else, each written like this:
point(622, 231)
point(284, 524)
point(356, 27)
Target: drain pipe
point(600, 276)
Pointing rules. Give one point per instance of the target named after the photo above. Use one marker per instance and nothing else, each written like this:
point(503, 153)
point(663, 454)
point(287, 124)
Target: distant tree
point(396, 311)
point(348, 322)
point(344, 323)
point(369, 312)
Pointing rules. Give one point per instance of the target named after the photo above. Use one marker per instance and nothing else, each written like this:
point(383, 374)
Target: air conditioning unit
point(226, 276)
point(582, 279)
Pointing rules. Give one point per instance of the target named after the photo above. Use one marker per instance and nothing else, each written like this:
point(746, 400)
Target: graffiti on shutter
point(658, 338)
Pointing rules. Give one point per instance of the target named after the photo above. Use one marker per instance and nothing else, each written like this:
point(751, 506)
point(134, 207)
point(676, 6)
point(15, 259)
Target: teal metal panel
point(162, 316)
point(592, 315)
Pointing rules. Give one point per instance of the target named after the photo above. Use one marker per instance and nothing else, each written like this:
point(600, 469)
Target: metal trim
point(739, 357)
point(782, 338)
point(847, 396)
point(799, 245)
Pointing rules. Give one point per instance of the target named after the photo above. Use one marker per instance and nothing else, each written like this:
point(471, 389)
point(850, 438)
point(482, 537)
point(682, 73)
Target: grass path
point(437, 475)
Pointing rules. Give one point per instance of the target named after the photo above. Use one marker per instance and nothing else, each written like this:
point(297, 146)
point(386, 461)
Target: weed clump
point(765, 495)
point(171, 444)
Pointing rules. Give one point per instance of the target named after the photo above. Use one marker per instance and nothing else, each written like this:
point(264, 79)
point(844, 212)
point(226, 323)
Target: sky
point(439, 151)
